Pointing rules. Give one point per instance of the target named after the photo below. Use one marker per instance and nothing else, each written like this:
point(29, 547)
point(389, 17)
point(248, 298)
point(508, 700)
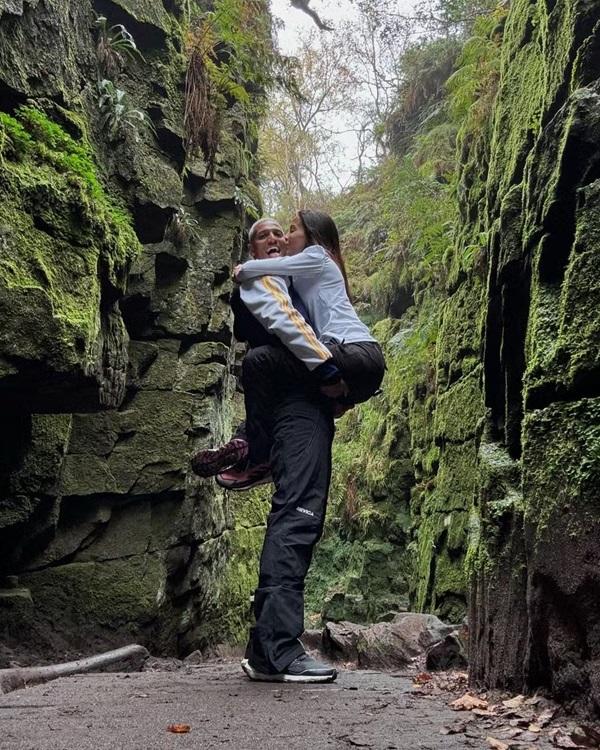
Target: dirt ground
point(225, 710)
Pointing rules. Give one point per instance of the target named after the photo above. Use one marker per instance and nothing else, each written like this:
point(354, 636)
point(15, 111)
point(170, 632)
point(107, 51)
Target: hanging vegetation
point(202, 116)
point(231, 61)
point(118, 115)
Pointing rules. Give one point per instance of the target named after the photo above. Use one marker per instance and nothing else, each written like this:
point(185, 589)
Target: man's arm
point(246, 327)
point(309, 262)
point(269, 301)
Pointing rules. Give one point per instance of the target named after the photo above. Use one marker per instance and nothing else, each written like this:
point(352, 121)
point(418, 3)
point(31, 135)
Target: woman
point(316, 267)
point(315, 264)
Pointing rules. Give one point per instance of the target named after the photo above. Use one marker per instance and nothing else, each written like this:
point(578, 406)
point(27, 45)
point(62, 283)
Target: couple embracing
point(309, 359)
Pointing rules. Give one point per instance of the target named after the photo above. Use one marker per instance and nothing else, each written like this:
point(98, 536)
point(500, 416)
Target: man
point(298, 434)
point(272, 319)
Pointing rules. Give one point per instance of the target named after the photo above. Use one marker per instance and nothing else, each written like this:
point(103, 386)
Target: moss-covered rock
point(536, 518)
point(107, 240)
point(68, 246)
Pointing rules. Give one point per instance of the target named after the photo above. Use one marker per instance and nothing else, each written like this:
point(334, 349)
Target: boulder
point(446, 654)
point(385, 645)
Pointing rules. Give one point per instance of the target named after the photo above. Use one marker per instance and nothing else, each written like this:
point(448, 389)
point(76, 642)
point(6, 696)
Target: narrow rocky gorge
point(117, 358)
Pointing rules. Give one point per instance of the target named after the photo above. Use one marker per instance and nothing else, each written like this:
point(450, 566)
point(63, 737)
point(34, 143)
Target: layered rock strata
point(506, 514)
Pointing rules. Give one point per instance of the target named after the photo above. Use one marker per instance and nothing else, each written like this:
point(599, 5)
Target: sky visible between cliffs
point(293, 25)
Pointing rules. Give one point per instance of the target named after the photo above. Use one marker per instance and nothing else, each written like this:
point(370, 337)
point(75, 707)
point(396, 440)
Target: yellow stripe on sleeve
point(296, 319)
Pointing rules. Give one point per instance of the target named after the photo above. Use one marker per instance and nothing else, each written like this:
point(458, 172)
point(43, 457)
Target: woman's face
point(296, 237)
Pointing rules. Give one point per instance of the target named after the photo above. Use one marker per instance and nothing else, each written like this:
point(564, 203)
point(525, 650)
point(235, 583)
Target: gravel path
point(224, 709)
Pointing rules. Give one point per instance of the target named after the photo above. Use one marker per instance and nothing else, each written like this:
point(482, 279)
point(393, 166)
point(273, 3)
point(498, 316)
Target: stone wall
point(114, 284)
point(493, 386)
point(507, 513)
point(535, 610)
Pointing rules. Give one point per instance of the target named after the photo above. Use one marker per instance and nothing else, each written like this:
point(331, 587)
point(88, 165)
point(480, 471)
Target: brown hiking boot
point(210, 462)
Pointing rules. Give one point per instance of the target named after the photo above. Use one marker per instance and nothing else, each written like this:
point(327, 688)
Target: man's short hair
point(256, 224)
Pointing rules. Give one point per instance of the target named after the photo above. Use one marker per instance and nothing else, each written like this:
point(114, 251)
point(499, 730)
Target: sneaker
point(210, 462)
point(244, 476)
point(303, 669)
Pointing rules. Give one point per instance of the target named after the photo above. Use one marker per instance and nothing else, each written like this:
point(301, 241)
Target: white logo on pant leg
point(305, 511)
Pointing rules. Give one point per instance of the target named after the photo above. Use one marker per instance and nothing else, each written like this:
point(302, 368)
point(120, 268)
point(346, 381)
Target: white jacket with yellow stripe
point(268, 299)
point(320, 284)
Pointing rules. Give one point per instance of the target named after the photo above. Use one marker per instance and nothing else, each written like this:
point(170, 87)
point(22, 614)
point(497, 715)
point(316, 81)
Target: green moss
point(104, 595)
point(61, 225)
point(561, 469)
point(459, 410)
point(460, 334)
point(240, 577)
point(41, 463)
point(357, 580)
point(238, 583)
point(563, 341)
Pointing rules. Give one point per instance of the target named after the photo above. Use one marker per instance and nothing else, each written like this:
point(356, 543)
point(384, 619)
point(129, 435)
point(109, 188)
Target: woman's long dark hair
point(320, 229)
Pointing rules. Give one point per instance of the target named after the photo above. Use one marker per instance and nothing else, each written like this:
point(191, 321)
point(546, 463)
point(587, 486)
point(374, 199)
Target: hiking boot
point(245, 476)
point(210, 462)
point(303, 669)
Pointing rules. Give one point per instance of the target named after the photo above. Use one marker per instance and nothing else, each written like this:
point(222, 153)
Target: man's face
point(268, 241)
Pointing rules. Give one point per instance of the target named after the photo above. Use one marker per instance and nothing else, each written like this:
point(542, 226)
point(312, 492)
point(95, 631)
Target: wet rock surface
point(385, 644)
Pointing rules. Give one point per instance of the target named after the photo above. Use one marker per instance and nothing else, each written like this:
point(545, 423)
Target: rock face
point(114, 343)
point(385, 645)
point(535, 608)
point(506, 442)
point(500, 425)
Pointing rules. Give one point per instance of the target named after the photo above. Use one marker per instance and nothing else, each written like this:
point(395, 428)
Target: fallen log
point(128, 658)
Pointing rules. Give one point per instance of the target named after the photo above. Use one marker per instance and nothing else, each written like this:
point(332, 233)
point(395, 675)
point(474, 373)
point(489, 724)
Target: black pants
point(302, 433)
point(270, 375)
point(269, 371)
point(362, 366)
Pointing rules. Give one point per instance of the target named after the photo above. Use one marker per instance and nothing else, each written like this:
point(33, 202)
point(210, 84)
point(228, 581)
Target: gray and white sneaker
point(303, 669)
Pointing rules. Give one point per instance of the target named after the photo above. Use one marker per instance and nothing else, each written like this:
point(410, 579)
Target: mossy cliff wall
point(493, 387)
point(507, 511)
point(535, 605)
point(114, 342)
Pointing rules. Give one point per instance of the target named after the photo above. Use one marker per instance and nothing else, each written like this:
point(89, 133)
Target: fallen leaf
point(179, 728)
point(496, 744)
point(422, 677)
point(468, 702)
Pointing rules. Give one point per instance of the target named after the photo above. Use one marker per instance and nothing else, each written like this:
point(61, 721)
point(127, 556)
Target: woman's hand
point(340, 409)
point(236, 272)
point(337, 390)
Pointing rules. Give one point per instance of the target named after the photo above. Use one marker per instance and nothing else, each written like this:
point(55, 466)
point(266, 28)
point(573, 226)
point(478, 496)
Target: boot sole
point(205, 464)
point(261, 677)
point(242, 488)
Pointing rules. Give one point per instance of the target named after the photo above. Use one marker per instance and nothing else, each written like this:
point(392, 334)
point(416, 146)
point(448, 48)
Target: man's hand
point(337, 390)
point(236, 272)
